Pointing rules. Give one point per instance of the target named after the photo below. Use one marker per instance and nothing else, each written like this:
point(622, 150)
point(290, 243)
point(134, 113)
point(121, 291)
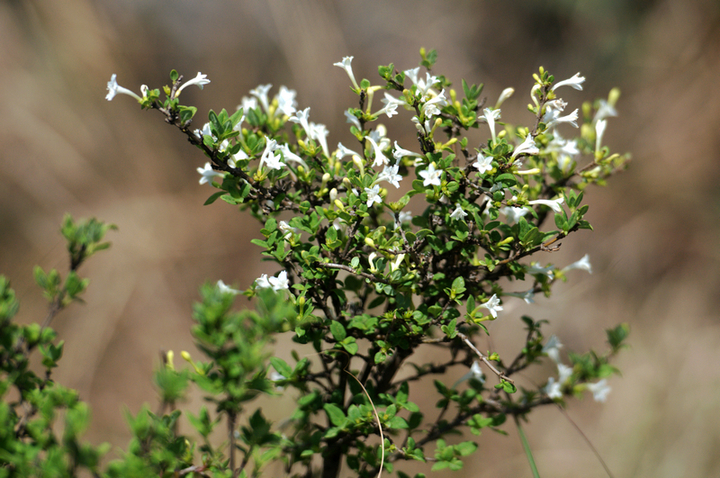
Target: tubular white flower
point(599, 390)
point(352, 119)
point(553, 204)
point(342, 151)
point(431, 176)
point(583, 264)
point(290, 156)
point(396, 263)
point(345, 64)
point(225, 289)
point(599, 133)
point(493, 305)
point(432, 107)
point(564, 373)
point(506, 93)
point(458, 214)
point(261, 93)
point(513, 214)
point(604, 111)
point(200, 80)
point(526, 147)
point(490, 115)
point(380, 158)
point(286, 101)
point(412, 74)
point(320, 133)
point(239, 156)
point(390, 174)
point(552, 118)
point(269, 157)
point(301, 117)
point(575, 81)
point(280, 282)
point(373, 195)
point(483, 163)
point(247, 104)
point(371, 261)
point(402, 217)
point(552, 348)
point(400, 153)
point(553, 389)
point(527, 296)
point(207, 174)
point(534, 269)
point(113, 89)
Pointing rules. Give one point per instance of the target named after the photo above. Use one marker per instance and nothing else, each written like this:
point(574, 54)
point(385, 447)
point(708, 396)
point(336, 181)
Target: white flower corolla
point(458, 214)
point(556, 104)
point(552, 348)
point(290, 156)
point(390, 174)
point(412, 74)
point(513, 214)
point(396, 263)
point(535, 269)
point(483, 163)
point(526, 147)
point(276, 283)
point(320, 133)
point(207, 174)
point(400, 153)
point(301, 117)
point(575, 81)
point(371, 261)
point(431, 176)
point(239, 156)
point(287, 229)
point(583, 264)
point(205, 131)
point(286, 101)
point(200, 80)
point(599, 132)
point(527, 296)
point(238, 126)
point(247, 104)
point(389, 109)
point(352, 119)
point(391, 100)
point(489, 116)
point(346, 64)
point(433, 106)
point(554, 204)
point(506, 93)
point(269, 158)
point(225, 289)
point(423, 128)
point(493, 305)
point(552, 118)
point(553, 389)
point(564, 373)
point(565, 162)
point(113, 89)
point(379, 135)
point(261, 93)
point(342, 151)
point(380, 158)
point(373, 195)
point(605, 110)
point(599, 390)
point(474, 372)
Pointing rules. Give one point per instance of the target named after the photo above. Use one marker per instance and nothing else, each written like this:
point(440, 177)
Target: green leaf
point(338, 331)
point(336, 415)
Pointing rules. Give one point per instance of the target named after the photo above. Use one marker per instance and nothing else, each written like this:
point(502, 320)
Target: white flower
point(286, 229)
point(200, 80)
point(576, 82)
point(286, 101)
point(458, 214)
point(247, 103)
point(113, 89)
point(276, 283)
point(493, 305)
point(599, 132)
point(402, 217)
point(391, 100)
point(269, 157)
point(400, 153)
point(483, 163)
point(553, 204)
point(490, 115)
point(371, 261)
point(552, 348)
point(396, 263)
point(373, 195)
point(380, 158)
point(320, 133)
point(583, 264)
point(431, 176)
point(239, 156)
point(552, 118)
point(412, 74)
point(342, 151)
point(527, 296)
point(506, 93)
point(225, 289)
point(474, 372)
point(535, 269)
point(208, 174)
point(345, 64)
point(352, 119)
point(513, 214)
point(557, 104)
point(599, 390)
point(390, 174)
point(564, 372)
point(290, 156)
point(301, 117)
point(432, 107)
point(553, 388)
point(604, 110)
point(261, 93)
point(526, 147)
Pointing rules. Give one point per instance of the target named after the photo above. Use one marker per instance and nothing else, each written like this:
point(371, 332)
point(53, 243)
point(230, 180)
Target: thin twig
point(482, 357)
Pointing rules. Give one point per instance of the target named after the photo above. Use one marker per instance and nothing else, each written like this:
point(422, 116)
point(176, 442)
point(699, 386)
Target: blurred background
point(655, 249)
